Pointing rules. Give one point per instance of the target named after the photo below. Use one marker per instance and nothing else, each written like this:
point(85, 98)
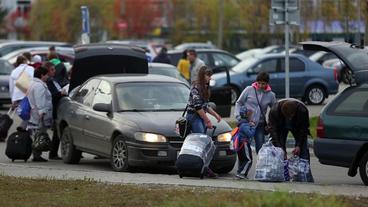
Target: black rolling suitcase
point(19, 146)
point(195, 155)
point(5, 123)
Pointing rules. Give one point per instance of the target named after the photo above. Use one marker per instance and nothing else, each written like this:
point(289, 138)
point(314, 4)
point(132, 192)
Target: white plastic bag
point(299, 170)
point(270, 164)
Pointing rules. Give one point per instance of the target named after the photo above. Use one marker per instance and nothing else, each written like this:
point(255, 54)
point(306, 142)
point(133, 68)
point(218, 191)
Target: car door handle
point(86, 117)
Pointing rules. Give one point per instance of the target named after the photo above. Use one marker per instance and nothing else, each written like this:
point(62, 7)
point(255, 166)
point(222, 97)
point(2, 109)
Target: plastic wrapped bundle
point(299, 170)
point(270, 164)
point(199, 145)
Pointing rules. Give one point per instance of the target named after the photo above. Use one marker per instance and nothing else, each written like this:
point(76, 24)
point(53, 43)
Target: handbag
point(23, 81)
point(182, 125)
point(42, 142)
point(265, 125)
point(24, 109)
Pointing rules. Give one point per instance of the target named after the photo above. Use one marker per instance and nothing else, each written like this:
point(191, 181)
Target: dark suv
point(342, 128)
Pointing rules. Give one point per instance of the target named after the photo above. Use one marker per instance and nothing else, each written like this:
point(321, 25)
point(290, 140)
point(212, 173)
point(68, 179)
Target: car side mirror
point(212, 105)
point(102, 107)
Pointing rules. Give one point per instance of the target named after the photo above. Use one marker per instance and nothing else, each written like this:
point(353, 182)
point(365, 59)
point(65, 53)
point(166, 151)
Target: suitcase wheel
point(12, 160)
point(180, 175)
point(202, 175)
point(25, 160)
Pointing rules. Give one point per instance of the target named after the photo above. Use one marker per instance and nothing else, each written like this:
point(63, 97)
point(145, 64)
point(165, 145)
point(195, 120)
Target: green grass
point(312, 128)
point(26, 192)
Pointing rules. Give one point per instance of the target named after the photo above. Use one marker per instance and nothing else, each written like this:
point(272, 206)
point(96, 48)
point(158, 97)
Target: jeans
point(259, 137)
point(196, 123)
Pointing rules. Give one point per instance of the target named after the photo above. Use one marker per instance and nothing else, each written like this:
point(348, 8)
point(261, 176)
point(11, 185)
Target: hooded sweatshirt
point(15, 93)
point(248, 99)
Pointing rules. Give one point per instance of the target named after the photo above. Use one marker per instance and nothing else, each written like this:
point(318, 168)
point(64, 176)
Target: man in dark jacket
point(162, 57)
point(290, 115)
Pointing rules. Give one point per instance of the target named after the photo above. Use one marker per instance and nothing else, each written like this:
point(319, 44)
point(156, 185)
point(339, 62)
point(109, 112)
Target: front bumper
point(165, 154)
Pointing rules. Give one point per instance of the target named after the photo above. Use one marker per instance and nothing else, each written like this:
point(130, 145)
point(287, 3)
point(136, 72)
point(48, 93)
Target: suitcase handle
point(213, 130)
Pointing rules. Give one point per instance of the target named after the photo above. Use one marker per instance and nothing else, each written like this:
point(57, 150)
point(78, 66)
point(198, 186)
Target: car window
point(269, 65)
point(224, 60)
point(295, 65)
point(103, 93)
point(173, 72)
point(5, 67)
point(86, 92)
point(204, 58)
point(354, 104)
point(244, 65)
point(152, 96)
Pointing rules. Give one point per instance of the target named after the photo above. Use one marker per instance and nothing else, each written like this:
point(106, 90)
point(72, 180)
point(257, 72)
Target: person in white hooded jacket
point(17, 95)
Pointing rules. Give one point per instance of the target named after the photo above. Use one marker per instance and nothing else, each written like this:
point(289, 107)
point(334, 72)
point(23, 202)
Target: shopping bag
point(24, 109)
point(42, 142)
point(299, 170)
point(236, 144)
point(23, 82)
point(270, 164)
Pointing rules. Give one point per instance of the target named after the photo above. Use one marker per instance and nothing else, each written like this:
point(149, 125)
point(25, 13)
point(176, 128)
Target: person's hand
point(14, 105)
point(209, 124)
point(296, 150)
point(218, 117)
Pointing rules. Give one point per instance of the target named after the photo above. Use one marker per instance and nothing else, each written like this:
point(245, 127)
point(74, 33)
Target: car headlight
point(149, 137)
point(225, 137)
point(212, 83)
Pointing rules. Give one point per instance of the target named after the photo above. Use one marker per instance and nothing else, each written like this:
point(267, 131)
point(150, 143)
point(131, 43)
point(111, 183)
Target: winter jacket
point(15, 93)
point(299, 123)
point(61, 75)
point(40, 100)
point(248, 99)
point(162, 58)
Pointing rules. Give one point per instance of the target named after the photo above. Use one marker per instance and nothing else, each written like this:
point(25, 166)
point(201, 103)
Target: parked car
point(345, 75)
point(129, 118)
point(195, 45)
point(9, 46)
point(342, 130)
point(213, 58)
point(66, 54)
point(165, 69)
point(322, 56)
point(308, 80)
point(5, 70)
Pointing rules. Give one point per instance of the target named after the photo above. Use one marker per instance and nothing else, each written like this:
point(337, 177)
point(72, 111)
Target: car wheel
point(315, 95)
point(119, 155)
point(347, 76)
point(224, 170)
point(234, 94)
point(69, 153)
point(363, 168)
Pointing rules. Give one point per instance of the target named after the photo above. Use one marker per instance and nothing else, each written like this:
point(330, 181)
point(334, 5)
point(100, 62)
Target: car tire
point(235, 93)
point(69, 153)
point(224, 170)
point(315, 95)
point(363, 168)
point(347, 76)
point(119, 155)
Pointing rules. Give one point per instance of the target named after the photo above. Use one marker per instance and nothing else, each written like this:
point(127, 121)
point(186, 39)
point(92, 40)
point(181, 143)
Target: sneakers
point(241, 176)
point(39, 159)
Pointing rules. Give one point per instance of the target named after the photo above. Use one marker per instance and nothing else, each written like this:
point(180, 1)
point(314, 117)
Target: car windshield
point(244, 65)
point(151, 96)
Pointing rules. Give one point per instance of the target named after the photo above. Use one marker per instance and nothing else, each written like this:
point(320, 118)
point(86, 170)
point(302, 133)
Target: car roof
point(197, 50)
point(125, 78)
point(160, 65)
point(18, 42)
